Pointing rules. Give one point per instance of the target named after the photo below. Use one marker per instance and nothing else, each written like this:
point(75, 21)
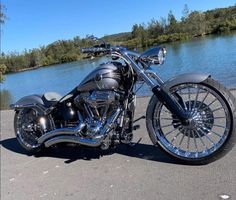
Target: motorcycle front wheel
point(210, 131)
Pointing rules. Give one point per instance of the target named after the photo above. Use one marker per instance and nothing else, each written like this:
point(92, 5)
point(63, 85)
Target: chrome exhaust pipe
point(75, 139)
point(72, 134)
point(61, 131)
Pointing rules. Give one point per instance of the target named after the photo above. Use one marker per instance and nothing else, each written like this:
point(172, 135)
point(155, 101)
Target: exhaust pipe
point(71, 134)
point(75, 139)
point(61, 131)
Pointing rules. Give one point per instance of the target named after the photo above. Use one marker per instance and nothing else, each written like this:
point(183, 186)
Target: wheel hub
point(200, 115)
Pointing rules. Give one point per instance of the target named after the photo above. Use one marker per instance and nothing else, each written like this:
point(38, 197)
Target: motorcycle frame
point(149, 76)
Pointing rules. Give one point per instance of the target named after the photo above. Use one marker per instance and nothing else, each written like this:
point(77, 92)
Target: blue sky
point(33, 23)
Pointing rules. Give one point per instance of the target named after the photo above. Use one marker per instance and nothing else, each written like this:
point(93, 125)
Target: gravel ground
point(141, 172)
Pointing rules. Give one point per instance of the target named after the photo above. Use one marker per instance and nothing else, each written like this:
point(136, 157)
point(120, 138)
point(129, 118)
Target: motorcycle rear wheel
point(27, 129)
point(211, 131)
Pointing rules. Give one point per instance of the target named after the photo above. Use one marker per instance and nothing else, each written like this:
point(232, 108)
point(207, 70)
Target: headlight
point(161, 55)
point(154, 56)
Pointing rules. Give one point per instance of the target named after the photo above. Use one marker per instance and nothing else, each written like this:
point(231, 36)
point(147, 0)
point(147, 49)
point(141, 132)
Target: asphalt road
point(141, 172)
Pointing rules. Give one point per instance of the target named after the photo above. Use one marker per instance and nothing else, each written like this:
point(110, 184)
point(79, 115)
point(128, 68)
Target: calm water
point(214, 55)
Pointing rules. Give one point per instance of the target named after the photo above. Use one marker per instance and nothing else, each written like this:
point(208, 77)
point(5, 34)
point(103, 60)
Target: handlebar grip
point(95, 50)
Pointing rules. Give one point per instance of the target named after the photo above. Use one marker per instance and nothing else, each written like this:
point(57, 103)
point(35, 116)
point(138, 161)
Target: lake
point(213, 54)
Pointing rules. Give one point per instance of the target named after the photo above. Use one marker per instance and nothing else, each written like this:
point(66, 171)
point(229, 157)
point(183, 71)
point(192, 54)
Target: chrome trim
point(75, 139)
point(17, 106)
point(139, 70)
point(69, 134)
point(62, 131)
point(154, 75)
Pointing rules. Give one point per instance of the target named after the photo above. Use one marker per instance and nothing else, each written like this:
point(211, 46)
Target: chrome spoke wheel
point(207, 128)
point(27, 127)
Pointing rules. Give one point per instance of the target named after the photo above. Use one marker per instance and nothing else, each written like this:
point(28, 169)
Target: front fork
point(171, 103)
point(161, 93)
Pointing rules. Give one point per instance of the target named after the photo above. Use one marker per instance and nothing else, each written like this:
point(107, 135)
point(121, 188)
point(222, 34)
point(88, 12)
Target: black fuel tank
point(106, 76)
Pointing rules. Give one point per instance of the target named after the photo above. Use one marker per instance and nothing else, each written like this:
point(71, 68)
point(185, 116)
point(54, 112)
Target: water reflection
point(5, 99)
point(213, 55)
point(176, 46)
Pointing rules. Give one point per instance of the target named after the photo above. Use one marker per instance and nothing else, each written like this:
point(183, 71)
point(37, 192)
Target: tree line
point(164, 30)
point(192, 24)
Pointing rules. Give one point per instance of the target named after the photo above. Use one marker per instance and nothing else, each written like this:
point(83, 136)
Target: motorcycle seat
point(49, 98)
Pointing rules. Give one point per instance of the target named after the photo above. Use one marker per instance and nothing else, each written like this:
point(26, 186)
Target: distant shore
point(141, 99)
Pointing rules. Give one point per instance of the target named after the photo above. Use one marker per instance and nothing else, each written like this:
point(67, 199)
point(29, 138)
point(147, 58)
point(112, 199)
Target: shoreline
point(139, 98)
point(80, 58)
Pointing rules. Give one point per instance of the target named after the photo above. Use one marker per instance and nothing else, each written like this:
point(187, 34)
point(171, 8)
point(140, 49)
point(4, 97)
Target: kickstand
point(132, 144)
point(142, 117)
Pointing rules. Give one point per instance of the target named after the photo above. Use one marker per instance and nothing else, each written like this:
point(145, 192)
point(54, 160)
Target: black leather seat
point(50, 98)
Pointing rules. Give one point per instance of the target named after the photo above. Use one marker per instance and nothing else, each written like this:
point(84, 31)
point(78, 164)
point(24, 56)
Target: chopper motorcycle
point(191, 117)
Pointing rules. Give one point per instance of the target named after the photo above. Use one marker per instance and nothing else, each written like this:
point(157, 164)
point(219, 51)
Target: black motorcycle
point(192, 117)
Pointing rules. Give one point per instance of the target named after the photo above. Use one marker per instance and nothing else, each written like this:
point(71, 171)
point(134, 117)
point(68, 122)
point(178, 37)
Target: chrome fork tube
point(164, 96)
point(140, 72)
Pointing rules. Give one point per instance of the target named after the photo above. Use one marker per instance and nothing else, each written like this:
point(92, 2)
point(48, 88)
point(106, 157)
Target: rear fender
point(29, 101)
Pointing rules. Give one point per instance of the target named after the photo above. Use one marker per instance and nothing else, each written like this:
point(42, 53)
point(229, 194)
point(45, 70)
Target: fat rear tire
point(30, 150)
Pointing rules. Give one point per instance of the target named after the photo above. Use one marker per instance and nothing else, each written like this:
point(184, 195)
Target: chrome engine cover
point(98, 98)
point(101, 98)
point(98, 106)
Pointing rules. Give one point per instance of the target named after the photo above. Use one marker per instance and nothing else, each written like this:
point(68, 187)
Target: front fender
point(185, 78)
point(31, 100)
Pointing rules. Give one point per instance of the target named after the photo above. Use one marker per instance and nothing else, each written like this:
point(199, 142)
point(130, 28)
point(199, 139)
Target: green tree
point(185, 12)
point(154, 29)
point(2, 21)
point(196, 23)
point(2, 71)
point(140, 34)
point(173, 26)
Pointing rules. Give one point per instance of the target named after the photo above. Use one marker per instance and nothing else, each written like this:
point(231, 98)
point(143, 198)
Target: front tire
point(211, 131)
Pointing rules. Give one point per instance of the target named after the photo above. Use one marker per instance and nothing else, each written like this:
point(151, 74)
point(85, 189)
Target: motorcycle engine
point(97, 107)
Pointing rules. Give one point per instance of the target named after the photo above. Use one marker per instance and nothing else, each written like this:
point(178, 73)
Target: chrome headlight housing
point(154, 56)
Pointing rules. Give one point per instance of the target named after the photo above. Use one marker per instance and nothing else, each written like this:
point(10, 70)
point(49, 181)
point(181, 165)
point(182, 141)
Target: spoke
point(188, 140)
point(196, 98)
point(213, 132)
point(212, 102)
point(185, 107)
point(203, 100)
point(217, 109)
point(182, 138)
point(200, 137)
point(217, 125)
point(207, 136)
point(210, 118)
point(189, 99)
point(174, 138)
point(207, 107)
point(172, 124)
point(194, 139)
point(169, 132)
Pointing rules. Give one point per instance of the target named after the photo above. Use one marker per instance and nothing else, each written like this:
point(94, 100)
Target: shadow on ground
point(75, 152)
